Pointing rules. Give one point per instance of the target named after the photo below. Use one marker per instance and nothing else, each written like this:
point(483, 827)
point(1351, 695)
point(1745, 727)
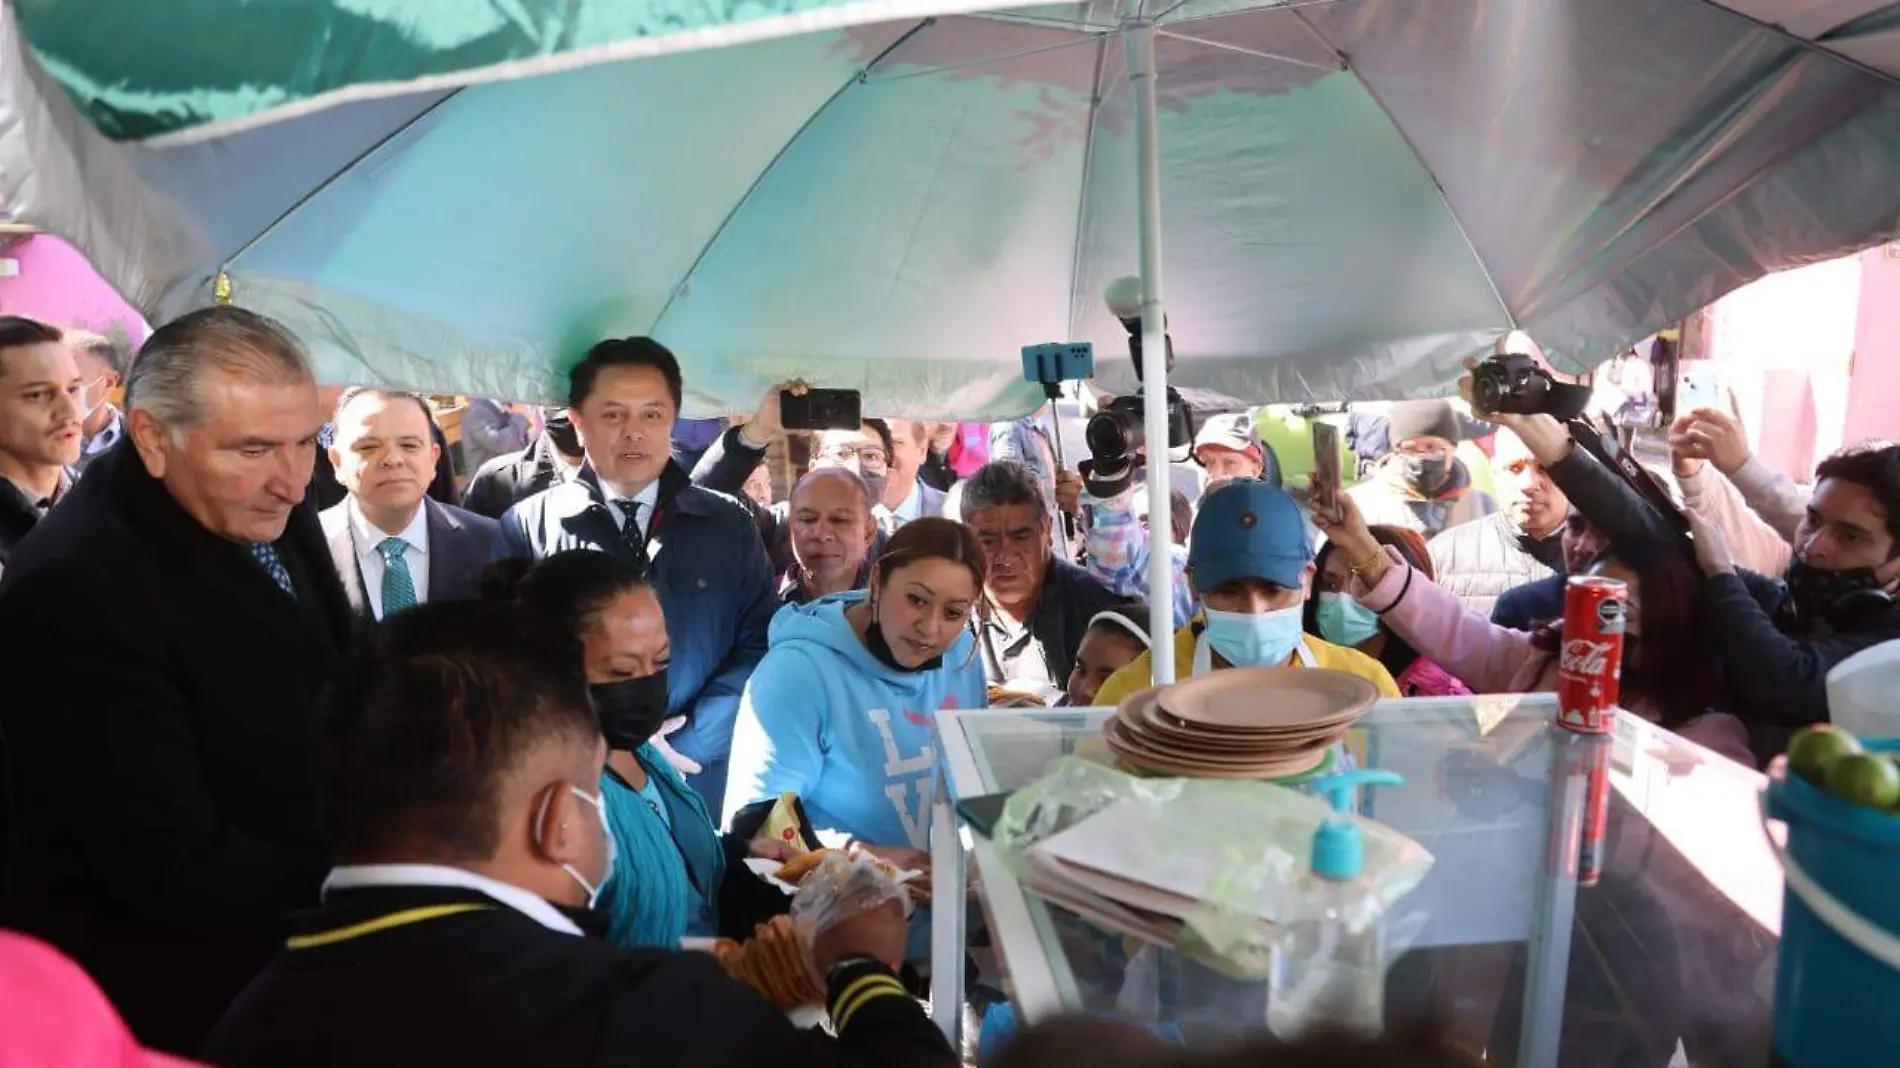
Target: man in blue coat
point(701, 548)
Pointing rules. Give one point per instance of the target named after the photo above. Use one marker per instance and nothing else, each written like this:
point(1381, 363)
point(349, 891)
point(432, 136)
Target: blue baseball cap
point(1248, 529)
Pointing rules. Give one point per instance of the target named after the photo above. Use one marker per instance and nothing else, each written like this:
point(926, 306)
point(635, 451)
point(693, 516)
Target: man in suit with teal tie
point(395, 548)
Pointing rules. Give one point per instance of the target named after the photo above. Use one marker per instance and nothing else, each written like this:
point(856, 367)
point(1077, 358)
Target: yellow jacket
point(1136, 676)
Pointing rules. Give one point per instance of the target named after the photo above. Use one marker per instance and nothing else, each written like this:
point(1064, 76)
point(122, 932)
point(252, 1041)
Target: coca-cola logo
point(1611, 612)
point(1582, 656)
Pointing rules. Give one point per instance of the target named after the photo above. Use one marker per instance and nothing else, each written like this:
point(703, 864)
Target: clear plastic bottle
point(1328, 969)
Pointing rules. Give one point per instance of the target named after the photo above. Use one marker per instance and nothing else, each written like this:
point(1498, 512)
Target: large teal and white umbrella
point(1345, 199)
point(1354, 195)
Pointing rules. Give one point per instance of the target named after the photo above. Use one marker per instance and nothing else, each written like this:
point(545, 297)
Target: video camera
point(1117, 435)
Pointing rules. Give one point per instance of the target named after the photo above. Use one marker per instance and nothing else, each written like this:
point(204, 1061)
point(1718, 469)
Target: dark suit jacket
point(492, 988)
point(160, 713)
point(461, 545)
point(712, 578)
point(507, 480)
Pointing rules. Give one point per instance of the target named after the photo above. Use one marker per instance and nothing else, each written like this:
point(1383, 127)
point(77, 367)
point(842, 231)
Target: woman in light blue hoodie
point(841, 710)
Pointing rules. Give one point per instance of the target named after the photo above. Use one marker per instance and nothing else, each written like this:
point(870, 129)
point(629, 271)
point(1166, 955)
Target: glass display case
point(1664, 954)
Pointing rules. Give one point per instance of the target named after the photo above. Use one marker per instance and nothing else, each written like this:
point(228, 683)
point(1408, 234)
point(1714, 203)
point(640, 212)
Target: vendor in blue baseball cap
point(1251, 565)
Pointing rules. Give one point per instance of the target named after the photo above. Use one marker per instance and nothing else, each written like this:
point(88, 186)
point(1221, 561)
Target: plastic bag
point(843, 886)
point(1252, 840)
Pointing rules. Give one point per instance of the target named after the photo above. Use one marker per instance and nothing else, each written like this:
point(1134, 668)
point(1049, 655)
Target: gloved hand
point(685, 765)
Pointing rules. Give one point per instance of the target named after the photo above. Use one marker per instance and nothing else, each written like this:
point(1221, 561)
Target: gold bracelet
point(1360, 567)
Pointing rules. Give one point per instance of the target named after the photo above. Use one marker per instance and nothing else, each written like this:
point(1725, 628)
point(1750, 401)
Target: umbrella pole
point(1154, 345)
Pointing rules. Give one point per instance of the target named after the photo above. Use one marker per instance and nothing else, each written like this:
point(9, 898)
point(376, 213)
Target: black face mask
point(630, 710)
point(1815, 595)
point(881, 649)
point(566, 439)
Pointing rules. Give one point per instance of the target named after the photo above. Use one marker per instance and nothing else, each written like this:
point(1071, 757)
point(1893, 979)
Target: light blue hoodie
point(854, 739)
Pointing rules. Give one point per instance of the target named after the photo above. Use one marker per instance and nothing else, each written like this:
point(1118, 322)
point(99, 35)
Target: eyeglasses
point(866, 455)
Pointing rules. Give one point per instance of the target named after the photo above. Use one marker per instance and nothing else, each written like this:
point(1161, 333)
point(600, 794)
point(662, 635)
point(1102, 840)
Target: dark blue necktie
point(266, 554)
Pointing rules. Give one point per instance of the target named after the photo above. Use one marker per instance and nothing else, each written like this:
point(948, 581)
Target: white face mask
point(88, 404)
point(612, 848)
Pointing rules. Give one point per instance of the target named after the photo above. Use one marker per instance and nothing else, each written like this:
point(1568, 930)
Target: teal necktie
point(399, 587)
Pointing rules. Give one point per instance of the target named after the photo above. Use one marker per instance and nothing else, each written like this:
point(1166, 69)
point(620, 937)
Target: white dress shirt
point(534, 907)
point(365, 536)
point(646, 499)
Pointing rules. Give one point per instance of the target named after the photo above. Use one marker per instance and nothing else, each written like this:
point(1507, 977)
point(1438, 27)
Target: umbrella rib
point(1082, 194)
point(972, 65)
point(231, 260)
point(1336, 66)
point(1041, 20)
point(713, 238)
point(1431, 176)
point(1803, 43)
point(1230, 13)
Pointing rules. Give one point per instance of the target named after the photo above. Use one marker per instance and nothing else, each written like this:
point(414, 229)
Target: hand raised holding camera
point(766, 425)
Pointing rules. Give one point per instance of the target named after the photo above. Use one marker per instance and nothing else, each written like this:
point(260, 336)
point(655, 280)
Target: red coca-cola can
point(1590, 665)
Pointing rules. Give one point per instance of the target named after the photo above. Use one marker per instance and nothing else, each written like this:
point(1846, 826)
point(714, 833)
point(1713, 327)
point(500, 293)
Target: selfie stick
point(1049, 365)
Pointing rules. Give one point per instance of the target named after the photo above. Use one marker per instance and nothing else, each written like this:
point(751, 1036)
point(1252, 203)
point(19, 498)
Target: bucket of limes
point(1837, 978)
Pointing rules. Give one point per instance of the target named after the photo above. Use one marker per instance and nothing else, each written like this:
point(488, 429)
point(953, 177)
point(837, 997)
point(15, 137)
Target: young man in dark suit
point(164, 819)
point(702, 549)
point(393, 546)
point(41, 394)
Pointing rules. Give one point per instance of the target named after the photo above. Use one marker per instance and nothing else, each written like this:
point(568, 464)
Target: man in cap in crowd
point(1251, 564)
point(1228, 446)
point(1421, 485)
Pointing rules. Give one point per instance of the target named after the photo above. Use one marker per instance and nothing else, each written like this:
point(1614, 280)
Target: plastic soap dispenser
point(1328, 963)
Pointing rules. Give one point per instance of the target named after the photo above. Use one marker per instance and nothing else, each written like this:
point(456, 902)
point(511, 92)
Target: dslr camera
point(1514, 383)
point(1117, 434)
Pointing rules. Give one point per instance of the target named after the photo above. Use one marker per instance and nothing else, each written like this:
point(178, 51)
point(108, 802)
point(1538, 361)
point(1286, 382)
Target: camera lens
point(1112, 435)
point(1487, 391)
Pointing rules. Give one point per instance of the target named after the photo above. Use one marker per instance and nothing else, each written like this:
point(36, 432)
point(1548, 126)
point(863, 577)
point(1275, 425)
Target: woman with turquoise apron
point(674, 876)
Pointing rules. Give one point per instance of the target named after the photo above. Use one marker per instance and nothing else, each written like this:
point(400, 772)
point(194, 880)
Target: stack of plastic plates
point(1239, 723)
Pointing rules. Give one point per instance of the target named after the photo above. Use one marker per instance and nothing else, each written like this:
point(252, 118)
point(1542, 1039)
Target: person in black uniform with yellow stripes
point(461, 766)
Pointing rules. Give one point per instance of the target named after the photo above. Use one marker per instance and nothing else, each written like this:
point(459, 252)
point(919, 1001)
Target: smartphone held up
point(1323, 493)
point(821, 409)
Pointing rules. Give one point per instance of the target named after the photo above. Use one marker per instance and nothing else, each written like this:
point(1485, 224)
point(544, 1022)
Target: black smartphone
point(821, 409)
point(981, 813)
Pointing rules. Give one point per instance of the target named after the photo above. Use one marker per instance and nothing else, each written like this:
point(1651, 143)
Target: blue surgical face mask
point(1344, 621)
point(1244, 639)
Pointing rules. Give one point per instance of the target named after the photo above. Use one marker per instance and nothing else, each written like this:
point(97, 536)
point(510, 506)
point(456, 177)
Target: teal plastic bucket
point(1837, 978)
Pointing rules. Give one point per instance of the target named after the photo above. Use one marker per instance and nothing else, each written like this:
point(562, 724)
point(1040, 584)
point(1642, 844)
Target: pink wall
point(1875, 378)
point(56, 284)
